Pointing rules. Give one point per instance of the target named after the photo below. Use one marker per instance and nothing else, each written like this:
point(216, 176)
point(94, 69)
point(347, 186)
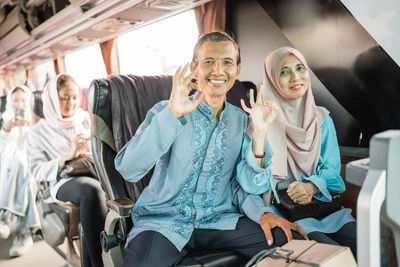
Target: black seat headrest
point(37, 103)
point(3, 101)
point(119, 104)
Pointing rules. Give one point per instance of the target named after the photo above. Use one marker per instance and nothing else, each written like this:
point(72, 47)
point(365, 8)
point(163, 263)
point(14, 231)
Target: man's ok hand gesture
point(179, 102)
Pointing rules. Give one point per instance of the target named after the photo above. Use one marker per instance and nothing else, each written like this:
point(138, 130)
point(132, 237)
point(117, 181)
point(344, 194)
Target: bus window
point(19, 78)
point(86, 70)
point(42, 73)
point(156, 49)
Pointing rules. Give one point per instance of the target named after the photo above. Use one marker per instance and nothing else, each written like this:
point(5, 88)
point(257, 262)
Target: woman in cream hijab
point(17, 186)
point(63, 135)
point(306, 152)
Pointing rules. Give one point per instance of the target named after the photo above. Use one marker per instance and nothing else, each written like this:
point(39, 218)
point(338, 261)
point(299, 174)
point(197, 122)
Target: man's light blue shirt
point(193, 184)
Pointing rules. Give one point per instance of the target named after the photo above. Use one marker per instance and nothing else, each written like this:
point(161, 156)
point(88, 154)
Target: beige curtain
point(59, 65)
point(109, 50)
point(10, 79)
point(29, 73)
point(211, 16)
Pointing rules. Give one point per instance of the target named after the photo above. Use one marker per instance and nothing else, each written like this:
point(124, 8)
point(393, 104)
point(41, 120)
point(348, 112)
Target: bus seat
point(3, 100)
point(113, 125)
point(66, 211)
point(378, 200)
point(240, 90)
point(60, 222)
point(37, 106)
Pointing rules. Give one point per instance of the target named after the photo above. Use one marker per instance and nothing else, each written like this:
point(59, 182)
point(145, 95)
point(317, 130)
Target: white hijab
point(51, 108)
point(22, 132)
point(10, 111)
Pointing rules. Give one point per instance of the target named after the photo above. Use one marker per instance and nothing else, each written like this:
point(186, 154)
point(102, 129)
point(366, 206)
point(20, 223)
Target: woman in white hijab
point(306, 152)
point(62, 135)
point(17, 186)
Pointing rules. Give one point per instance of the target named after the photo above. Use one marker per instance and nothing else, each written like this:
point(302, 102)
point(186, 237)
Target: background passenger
point(17, 186)
point(62, 135)
point(306, 151)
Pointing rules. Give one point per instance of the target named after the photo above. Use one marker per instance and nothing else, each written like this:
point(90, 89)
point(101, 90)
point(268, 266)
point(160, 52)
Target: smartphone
point(19, 113)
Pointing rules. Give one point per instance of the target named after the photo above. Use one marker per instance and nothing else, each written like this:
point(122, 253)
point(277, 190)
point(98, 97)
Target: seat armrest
point(122, 206)
point(119, 208)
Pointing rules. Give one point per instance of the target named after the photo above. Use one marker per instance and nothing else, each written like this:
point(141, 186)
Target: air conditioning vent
point(115, 25)
point(169, 4)
point(46, 53)
point(76, 41)
point(26, 61)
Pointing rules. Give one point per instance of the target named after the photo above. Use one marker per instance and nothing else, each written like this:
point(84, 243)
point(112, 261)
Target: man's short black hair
point(215, 36)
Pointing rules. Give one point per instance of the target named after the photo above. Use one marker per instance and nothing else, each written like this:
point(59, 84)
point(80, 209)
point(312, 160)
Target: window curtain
point(211, 16)
point(29, 73)
point(59, 64)
point(109, 50)
point(29, 78)
point(10, 79)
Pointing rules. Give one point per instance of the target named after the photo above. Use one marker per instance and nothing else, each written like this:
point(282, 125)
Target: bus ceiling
point(35, 30)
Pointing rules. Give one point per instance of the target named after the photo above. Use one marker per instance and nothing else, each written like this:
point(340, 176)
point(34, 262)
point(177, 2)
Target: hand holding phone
point(19, 113)
point(18, 120)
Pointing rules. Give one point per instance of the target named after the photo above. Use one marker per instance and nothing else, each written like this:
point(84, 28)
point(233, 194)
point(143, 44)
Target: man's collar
point(205, 109)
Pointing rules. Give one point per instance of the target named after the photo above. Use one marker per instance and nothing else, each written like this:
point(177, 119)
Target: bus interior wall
point(352, 76)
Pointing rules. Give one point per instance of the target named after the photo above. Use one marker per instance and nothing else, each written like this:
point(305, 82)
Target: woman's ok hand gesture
point(262, 114)
point(179, 103)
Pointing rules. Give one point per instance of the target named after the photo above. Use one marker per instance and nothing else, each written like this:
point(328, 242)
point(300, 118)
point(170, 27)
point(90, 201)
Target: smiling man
point(198, 146)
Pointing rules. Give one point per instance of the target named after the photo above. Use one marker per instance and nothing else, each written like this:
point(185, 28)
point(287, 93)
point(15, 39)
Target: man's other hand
point(270, 220)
